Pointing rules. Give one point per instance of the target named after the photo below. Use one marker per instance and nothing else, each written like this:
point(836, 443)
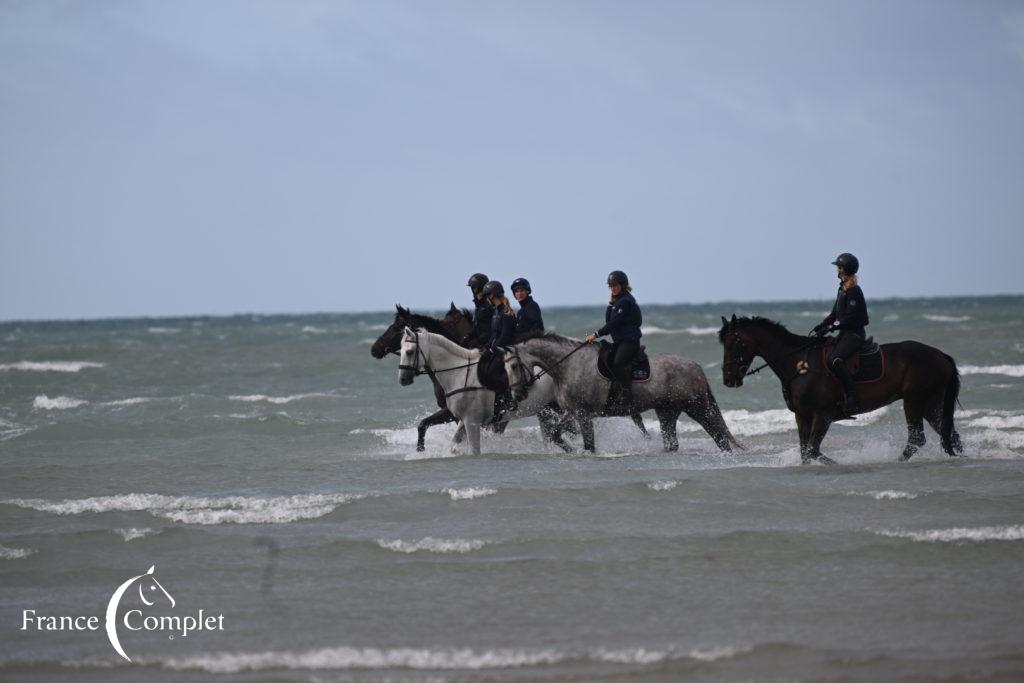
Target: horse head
point(391, 339)
point(458, 322)
point(411, 360)
point(148, 585)
point(519, 374)
point(740, 350)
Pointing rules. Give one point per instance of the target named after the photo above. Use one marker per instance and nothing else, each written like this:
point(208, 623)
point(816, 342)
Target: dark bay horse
point(924, 377)
point(456, 325)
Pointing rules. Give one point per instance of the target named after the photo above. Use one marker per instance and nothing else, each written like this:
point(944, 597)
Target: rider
point(849, 315)
point(528, 318)
point(503, 327)
point(622, 321)
point(484, 311)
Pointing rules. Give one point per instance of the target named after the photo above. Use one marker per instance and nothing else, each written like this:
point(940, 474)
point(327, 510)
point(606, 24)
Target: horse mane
point(450, 345)
point(425, 322)
point(758, 322)
point(547, 336)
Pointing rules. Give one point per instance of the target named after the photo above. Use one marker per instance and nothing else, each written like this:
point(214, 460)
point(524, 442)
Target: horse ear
point(734, 319)
point(453, 308)
point(151, 569)
point(725, 323)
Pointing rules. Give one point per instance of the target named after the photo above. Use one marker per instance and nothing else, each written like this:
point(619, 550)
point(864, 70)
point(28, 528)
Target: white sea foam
point(310, 329)
point(163, 330)
point(133, 533)
point(51, 365)
point(744, 422)
point(694, 330)
point(14, 553)
point(1008, 370)
point(1010, 439)
point(998, 422)
point(889, 494)
point(469, 493)
point(976, 534)
point(662, 485)
point(10, 430)
point(891, 317)
point(433, 545)
point(198, 510)
point(946, 318)
point(254, 398)
point(457, 659)
point(135, 400)
point(44, 402)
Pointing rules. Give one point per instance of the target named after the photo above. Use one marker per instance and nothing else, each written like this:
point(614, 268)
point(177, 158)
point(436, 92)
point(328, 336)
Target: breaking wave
point(51, 365)
point(44, 402)
point(662, 485)
point(311, 329)
point(163, 330)
point(469, 493)
point(694, 330)
point(254, 398)
point(133, 533)
point(885, 495)
point(1008, 370)
point(14, 553)
point(198, 510)
point(435, 659)
point(977, 534)
point(433, 545)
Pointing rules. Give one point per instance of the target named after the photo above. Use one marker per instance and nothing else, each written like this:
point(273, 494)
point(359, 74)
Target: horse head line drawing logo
point(115, 601)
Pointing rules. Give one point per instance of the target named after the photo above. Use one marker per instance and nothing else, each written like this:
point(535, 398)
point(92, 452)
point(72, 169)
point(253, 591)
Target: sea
point(262, 469)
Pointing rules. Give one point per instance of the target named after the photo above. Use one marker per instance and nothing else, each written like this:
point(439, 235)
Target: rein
point(543, 371)
point(761, 367)
point(416, 370)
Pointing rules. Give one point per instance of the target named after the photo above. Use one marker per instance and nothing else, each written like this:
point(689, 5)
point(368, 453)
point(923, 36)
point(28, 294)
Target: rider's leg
point(622, 369)
point(847, 345)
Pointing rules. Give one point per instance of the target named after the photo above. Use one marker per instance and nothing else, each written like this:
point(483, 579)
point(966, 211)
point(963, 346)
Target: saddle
point(641, 363)
point(491, 373)
point(867, 365)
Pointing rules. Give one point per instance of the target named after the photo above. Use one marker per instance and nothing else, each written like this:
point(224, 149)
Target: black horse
point(924, 377)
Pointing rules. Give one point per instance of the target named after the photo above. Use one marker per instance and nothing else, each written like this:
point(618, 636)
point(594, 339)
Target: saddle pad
point(641, 364)
point(867, 365)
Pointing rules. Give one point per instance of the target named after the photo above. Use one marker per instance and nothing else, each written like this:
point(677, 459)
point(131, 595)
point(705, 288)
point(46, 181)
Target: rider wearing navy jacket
point(849, 316)
point(483, 313)
point(622, 320)
point(528, 318)
point(503, 329)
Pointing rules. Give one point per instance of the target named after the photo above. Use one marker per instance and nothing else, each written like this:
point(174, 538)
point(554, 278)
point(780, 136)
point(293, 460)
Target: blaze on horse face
point(408, 357)
point(739, 353)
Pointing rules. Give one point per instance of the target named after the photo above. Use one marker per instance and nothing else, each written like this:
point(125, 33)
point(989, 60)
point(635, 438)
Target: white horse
point(454, 368)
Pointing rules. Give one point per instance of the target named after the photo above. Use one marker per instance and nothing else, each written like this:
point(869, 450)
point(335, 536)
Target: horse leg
point(441, 417)
point(667, 418)
point(551, 429)
point(955, 447)
point(913, 411)
point(473, 431)
point(639, 422)
point(819, 428)
point(803, 427)
point(709, 416)
point(586, 423)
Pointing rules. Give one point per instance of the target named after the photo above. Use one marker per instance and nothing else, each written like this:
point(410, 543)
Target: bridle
point(425, 370)
point(529, 381)
point(744, 368)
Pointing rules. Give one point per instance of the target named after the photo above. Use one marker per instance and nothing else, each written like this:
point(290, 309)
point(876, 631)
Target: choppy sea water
point(266, 467)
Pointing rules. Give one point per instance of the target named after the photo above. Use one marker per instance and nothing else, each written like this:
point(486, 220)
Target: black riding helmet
point(521, 283)
point(617, 277)
point(494, 288)
point(848, 262)
point(477, 281)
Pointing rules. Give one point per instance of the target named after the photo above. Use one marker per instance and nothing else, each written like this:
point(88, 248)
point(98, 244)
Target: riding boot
point(612, 403)
point(626, 398)
point(851, 404)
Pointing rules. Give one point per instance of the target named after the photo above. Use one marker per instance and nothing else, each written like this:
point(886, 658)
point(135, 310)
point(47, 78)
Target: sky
point(195, 157)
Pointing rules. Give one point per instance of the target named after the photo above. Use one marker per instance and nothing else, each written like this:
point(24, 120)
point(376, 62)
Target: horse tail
point(722, 434)
point(950, 401)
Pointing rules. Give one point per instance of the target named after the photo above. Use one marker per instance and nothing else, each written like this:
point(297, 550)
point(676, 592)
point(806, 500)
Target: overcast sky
point(161, 158)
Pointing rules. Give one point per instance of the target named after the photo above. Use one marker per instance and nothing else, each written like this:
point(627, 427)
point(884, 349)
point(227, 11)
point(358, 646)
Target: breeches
point(622, 360)
point(493, 363)
point(847, 345)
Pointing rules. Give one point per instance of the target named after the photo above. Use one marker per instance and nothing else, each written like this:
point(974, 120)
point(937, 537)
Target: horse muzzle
point(405, 377)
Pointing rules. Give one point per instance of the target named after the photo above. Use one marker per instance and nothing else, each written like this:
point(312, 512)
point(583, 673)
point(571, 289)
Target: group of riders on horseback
point(494, 365)
point(496, 326)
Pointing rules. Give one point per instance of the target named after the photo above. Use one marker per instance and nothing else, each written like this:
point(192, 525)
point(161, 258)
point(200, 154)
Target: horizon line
point(279, 314)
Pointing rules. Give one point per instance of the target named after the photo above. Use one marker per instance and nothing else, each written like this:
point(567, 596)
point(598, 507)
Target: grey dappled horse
point(677, 386)
point(454, 369)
